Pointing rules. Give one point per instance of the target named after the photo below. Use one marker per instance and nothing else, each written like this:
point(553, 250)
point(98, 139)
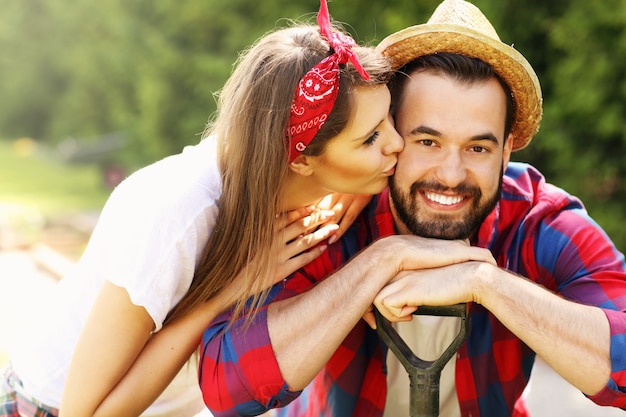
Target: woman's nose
point(394, 143)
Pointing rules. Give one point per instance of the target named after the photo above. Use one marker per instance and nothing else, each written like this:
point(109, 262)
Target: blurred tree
point(29, 45)
point(579, 51)
point(149, 69)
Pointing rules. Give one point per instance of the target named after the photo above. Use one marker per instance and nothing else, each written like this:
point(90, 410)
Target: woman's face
point(360, 159)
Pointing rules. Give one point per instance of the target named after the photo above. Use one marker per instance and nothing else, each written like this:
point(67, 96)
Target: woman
point(304, 115)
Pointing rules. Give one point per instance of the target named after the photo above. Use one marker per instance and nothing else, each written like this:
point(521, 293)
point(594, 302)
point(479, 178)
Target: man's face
point(449, 175)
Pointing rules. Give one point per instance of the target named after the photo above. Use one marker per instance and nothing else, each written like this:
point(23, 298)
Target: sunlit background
point(91, 91)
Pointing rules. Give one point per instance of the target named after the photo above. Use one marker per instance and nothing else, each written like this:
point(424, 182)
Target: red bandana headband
point(317, 91)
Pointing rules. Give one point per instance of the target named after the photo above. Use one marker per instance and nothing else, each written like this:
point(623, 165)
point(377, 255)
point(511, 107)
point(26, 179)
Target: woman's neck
point(300, 191)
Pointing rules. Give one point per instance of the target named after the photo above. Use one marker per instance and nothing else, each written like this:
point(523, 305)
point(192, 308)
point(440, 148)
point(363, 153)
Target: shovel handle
point(424, 375)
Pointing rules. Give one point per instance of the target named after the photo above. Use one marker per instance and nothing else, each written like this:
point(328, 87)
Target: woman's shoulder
point(176, 192)
point(191, 175)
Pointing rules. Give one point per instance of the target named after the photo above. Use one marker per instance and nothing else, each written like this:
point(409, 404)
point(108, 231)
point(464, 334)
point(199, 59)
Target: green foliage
point(582, 141)
point(31, 177)
point(84, 69)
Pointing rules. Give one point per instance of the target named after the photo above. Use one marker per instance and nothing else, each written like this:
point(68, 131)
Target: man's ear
point(302, 165)
point(508, 148)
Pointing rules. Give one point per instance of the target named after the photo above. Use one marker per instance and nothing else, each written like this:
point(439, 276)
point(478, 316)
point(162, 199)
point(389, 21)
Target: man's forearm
point(572, 338)
point(307, 329)
point(292, 339)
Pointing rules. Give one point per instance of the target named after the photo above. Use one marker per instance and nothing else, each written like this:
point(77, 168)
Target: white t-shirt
point(428, 337)
point(148, 239)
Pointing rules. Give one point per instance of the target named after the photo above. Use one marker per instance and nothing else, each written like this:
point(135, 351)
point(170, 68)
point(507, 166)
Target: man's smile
point(446, 200)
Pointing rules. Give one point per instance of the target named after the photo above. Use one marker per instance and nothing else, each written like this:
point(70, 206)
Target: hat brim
point(408, 44)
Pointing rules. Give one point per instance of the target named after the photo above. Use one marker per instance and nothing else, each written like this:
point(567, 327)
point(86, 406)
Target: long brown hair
point(250, 124)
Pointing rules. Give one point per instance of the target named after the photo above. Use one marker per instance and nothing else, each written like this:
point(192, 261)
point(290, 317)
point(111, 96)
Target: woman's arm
point(115, 353)
point(114, 334)
point(159, 362)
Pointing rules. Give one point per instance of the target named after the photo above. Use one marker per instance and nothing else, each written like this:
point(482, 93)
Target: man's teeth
point(446, 200)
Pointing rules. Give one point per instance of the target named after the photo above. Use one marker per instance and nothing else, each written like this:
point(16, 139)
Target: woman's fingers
point(299, 234)
point(351, 211)
point(305, 242)
point(291, 265)
point(295, 227)
point(284, 219)
point(302, 251)
point(347, 208)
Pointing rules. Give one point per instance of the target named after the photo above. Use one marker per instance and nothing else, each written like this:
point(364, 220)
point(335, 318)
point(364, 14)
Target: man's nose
point(451, 170)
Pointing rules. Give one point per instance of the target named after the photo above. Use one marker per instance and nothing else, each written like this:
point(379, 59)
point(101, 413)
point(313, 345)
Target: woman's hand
point(303, 230)
point(347, 207)
point(299, 235)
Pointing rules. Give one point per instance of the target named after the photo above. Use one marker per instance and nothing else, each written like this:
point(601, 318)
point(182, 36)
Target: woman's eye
point(371, 139)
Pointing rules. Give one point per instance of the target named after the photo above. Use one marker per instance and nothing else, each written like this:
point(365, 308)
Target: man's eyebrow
point(486, 136)
point(434, 132)
point(426, 130)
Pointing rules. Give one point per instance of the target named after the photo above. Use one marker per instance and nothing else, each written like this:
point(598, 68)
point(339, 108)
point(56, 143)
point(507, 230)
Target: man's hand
point(442, 286)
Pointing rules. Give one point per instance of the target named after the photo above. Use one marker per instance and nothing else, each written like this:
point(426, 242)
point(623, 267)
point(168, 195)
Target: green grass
point(31, 177)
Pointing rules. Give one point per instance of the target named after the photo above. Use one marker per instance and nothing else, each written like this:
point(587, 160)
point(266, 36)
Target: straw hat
point(459, 27)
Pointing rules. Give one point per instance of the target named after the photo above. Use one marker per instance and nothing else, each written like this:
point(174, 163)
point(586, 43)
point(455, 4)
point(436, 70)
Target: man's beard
point(443, 225)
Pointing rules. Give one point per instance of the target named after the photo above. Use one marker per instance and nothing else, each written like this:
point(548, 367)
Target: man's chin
point(441, 230)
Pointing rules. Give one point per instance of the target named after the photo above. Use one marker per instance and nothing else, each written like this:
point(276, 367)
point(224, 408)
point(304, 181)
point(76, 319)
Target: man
point(463, 102)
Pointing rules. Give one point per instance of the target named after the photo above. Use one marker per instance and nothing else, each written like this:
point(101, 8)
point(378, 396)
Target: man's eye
point(427, 142)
